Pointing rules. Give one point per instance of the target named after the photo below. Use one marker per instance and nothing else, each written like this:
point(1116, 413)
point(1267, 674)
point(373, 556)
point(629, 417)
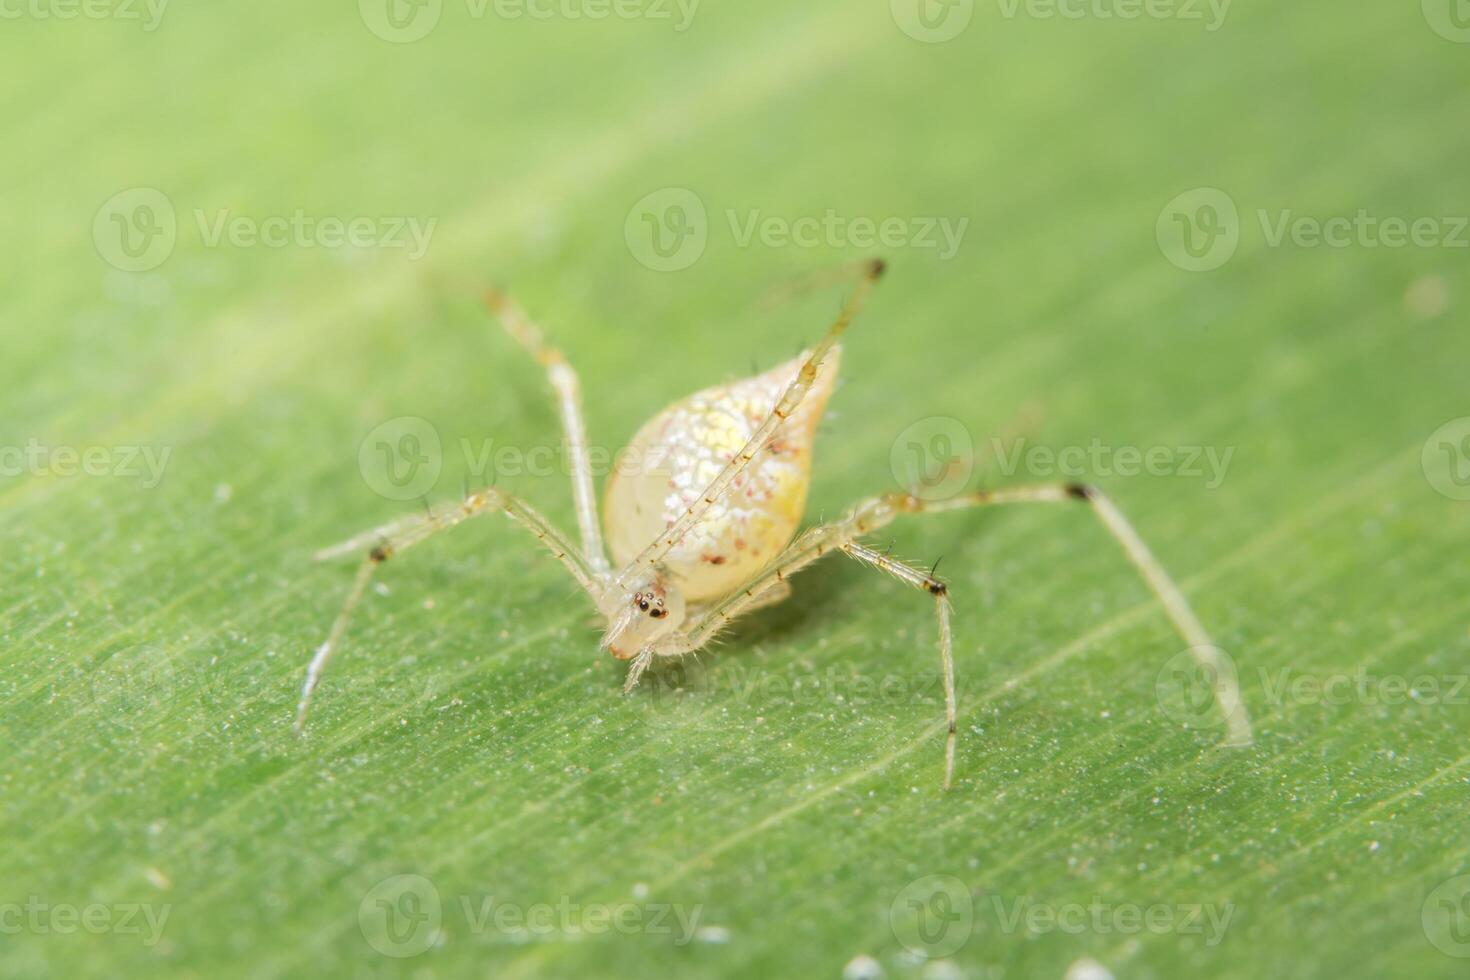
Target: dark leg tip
point(379, 554)
point(1081, 491)
point(877, 267)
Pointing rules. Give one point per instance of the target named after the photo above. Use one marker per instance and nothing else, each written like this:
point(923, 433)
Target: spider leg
point(636, 670)
point(790, 399)
point(569, 403)
point(824, 278)
point(928, 583)
point(772, 596)
point(772, 586)
point(1163, 586)
point(876, 512)
point(764, 589)
point(392, 539)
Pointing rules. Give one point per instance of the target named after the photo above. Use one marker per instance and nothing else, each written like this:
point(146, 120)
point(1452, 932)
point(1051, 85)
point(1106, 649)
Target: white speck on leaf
point(1088, 969)
point(942, 970)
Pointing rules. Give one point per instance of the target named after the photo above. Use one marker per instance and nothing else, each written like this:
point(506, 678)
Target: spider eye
point(643, 604)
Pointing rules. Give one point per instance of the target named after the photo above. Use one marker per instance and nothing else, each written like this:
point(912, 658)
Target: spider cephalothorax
point(639, 619)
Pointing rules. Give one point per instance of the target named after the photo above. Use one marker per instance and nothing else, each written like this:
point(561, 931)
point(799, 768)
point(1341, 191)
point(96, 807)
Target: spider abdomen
point(677, 453)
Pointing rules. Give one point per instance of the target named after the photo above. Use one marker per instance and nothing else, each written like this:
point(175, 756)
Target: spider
point(709, 533)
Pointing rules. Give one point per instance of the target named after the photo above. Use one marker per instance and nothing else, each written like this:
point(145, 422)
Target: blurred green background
point(1120, 182)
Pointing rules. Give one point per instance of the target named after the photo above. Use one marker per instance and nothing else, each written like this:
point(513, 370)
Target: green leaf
point(474, 795)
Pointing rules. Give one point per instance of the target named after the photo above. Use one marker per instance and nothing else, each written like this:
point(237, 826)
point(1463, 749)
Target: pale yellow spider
point(702, 529)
